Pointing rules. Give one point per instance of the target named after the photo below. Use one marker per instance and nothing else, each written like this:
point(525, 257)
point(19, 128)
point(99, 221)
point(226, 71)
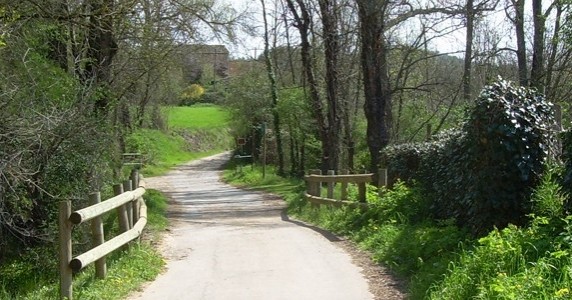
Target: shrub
point(483, 174)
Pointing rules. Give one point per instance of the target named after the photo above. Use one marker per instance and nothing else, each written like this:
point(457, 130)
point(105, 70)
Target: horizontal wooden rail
point(88, 213)
point(87, 258)
point(354, 178)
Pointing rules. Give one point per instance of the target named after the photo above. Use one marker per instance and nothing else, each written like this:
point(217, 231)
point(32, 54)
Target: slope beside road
point(226, 243)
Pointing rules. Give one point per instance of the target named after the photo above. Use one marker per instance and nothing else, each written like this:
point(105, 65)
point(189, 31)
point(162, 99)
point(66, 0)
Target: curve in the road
point(226, 243)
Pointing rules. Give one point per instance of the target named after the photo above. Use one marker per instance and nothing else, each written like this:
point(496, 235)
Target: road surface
point(230, 244)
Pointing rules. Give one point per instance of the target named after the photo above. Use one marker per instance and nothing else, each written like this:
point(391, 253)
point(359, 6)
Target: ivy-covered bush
point(567, 172)
point(483, 175)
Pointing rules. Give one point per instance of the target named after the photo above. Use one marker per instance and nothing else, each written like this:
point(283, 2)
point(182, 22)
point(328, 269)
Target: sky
point(249, 46)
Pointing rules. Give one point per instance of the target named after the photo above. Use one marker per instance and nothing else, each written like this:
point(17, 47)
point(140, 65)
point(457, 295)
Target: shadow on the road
point(328, 235)
point(222, 214)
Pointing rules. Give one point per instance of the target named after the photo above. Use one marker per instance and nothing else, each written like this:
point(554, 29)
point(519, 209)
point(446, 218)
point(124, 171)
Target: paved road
point(230, 244)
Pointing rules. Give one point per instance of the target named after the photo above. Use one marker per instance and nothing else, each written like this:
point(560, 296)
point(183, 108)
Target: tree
point(273, 91)
point(374, 63)
point(302, 18)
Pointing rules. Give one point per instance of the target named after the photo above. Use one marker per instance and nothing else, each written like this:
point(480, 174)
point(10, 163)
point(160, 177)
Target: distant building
point(204, 63)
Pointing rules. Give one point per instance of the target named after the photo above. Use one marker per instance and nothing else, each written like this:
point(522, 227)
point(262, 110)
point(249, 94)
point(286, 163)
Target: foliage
point(197, 132)
point(251, 176)
point(249, 104)
point(31, 276)
point(53, 148)
point(567, 171)
point(192, 94)
point(484, 174)
point(531, 262)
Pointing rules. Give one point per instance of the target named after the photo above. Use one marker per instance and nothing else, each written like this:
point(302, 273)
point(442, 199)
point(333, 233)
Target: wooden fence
point(132, 216)
point(315, 180)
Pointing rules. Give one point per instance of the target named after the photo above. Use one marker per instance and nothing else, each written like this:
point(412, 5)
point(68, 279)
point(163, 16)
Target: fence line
point(315, 180)
point(132, 216)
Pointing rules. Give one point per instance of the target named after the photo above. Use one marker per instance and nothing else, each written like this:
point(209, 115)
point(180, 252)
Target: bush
point(483, 174)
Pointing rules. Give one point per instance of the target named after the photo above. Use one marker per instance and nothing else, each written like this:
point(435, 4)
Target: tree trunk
point(550, 95)
point(537, 68)
point(470, 18)
point(376, 84)
point(330, 35)
point(302, 23)
point(273, 93)
point(102, 49)
point(520, 42)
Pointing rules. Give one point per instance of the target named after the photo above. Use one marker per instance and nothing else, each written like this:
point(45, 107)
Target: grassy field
point(196, 117)
point(194, 132)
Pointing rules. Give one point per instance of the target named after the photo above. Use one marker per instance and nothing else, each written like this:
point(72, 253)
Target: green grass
point(196, 132)
point(247, 176)
point(197, 117)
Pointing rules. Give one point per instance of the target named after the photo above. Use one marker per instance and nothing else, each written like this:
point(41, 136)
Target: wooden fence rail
point(132, 216)
point(315, 180)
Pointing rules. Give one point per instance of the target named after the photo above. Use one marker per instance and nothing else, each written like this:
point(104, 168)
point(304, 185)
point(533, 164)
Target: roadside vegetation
point(190, 133)
point(31, 276)
point(480, 212)
point(340, 85)
point(438, 259)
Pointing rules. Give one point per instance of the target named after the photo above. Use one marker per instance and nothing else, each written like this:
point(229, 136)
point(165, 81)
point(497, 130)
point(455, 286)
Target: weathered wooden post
point(344, 186)
point(98, 237)
point(314, 187)
point(381, 180)
point(331, 185)
point(65, 250)
point(361, 192)
point(136, 203)
point(121, 212)
point(128, 187)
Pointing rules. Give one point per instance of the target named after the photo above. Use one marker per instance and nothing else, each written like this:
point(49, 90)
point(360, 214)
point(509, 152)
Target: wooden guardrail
point(132, 216)
point(315, 180)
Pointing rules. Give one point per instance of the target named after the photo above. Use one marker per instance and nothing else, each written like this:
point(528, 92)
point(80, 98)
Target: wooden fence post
point(314, 188)
point(98, 237)
point(65, 250)
point(344, 187)
point(121, 212)
point(361, 192)
point(136, 203)
point(382, 180)
point(127, 187)
point(331, 185)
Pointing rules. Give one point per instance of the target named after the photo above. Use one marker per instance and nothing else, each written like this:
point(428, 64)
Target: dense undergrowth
point(438, 259)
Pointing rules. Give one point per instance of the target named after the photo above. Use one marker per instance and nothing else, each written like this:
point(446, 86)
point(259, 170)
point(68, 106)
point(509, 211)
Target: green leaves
point(483, 174)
